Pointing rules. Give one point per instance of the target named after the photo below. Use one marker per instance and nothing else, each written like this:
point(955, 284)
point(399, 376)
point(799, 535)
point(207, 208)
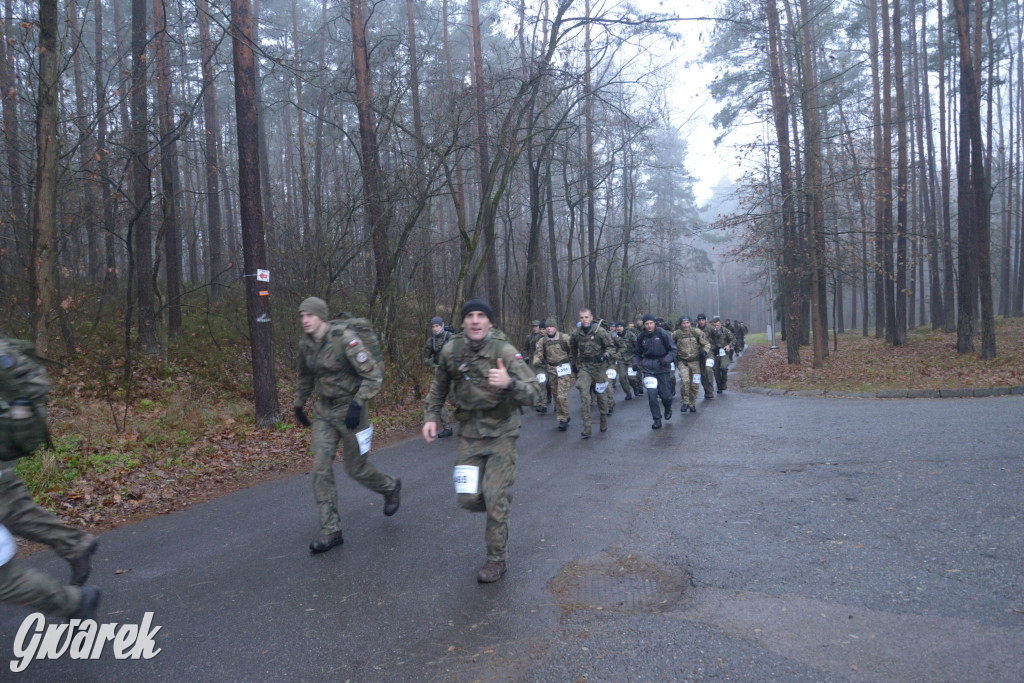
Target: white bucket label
point(542, 377)
point(710, 362)
point(365, 438)
point(696, 379)
point(563, 370)
point(599, 388)
point(651, 382)
point(721, 352)
point(631, 372)
point(467, 479)
point(612, 374)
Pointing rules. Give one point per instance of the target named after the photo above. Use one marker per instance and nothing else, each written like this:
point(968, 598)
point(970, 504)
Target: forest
point(188, 160)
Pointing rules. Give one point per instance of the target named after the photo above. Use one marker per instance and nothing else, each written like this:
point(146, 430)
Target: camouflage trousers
point(721, 371)
point(589, 377)
point(688, 389)
point(328, 429)
point(558, 387)
point(496, 458)
point(446, 416)
point(707, 380)
point(21, 585)
point(622, 367)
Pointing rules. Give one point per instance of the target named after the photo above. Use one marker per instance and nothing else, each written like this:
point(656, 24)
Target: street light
point(771, 303)
point(717, 300)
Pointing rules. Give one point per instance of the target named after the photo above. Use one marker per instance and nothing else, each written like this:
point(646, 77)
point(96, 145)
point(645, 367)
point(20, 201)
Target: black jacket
point(656, 350)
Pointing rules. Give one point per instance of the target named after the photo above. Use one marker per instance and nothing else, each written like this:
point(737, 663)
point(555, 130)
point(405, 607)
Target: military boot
point(629, 397)
point(562, 426)
point(668, 411)
point(604, 423)
point(541, 409)
point(492, 571)
point(657, 423)
point(89, 602)
point(82, 565)
point(393, 499)
point(586, 432)
point(326, 542)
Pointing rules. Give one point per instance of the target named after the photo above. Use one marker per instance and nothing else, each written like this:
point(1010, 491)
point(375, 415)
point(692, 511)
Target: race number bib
point(696, 379)
point(599, 388)
point(467, 479)
point(651, 382)
point(721, 352)
point(563, 370)
point(631, 372)
point(8, 546)
point(612, 373)
point(673, 366)
point(542, 377)
point(710, 362)
point(365, 438)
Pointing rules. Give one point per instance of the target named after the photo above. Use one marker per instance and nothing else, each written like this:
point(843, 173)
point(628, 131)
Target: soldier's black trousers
point(662, 396)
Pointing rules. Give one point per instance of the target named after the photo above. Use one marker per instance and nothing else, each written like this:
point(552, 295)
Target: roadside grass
point(929, 360)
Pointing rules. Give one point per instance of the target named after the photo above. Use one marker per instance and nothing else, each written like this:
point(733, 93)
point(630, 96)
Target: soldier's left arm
point(364, 365)
point(527, 389)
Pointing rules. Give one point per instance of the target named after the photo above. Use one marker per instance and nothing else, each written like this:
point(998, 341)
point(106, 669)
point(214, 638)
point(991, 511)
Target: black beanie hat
point(477, 304)
point(648, 317)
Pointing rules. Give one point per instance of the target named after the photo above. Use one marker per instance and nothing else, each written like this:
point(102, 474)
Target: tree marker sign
point(262, 275)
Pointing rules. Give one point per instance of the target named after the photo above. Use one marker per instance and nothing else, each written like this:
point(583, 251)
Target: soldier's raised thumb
point(501, 363)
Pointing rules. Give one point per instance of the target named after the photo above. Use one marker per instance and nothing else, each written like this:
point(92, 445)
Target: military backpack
point(24, 385)
point(363, 329)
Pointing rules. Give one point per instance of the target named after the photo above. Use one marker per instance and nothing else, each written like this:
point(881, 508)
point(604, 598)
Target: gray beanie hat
point(436, 320)
point(315, 306)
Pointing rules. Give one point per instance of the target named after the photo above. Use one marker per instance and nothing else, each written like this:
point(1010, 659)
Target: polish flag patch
point(519, 356)
point(354, 342)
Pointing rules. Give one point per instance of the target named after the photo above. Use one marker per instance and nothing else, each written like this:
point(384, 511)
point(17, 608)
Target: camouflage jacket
point(690, 345)
point(432, 349)
point(550, 352)
point(629, 337)
point(593, 348)
point(482, 410)
point(339, 367)
point(531, 344)
point(719, 338)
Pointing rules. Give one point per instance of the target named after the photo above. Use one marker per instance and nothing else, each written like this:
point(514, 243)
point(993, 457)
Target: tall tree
point(142, 241)
point(253, 245)
point(168, 172)
point(211, 128)
point(44, 243)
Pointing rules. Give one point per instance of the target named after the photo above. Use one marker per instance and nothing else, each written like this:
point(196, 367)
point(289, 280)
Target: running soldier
point(590, 348)
point(551, 358)
point(488, 381)
point(439, 336)
point(721, 342)
point(691, 344)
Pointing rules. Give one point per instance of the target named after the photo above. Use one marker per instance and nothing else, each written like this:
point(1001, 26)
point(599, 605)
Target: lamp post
point(716, 301)
point(771, 303)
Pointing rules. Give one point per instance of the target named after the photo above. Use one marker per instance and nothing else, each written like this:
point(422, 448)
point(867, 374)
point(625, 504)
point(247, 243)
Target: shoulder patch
point(354, 342)
point(519, 356)
point(361, 357)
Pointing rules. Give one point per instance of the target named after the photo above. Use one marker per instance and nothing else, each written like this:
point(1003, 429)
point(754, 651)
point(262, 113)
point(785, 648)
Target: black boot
point(657, 423)
point(668, 410)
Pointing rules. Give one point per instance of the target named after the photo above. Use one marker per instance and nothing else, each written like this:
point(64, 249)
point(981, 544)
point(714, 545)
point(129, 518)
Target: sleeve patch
point(354, 342)
point(361, 357)
point(519, 356)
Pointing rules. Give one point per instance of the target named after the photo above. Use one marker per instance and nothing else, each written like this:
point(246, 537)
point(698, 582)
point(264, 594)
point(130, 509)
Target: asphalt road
point(762, 539)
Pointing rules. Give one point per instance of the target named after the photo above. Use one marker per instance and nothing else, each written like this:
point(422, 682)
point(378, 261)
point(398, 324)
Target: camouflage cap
point(535, 323)
point(550, 322)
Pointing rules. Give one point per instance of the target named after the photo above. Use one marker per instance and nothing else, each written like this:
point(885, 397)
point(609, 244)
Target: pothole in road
point(619, 584)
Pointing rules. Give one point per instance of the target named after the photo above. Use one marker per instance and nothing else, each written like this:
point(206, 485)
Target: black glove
point(353, 415)
point(575, 370)
point(636, 368)
point(300, 415)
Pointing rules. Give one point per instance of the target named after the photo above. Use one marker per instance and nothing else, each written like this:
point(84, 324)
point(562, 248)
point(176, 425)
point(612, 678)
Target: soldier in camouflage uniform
point(625, 359)
point(706, 374)
point(549, 355)
point(439, 336)
point(720, 340)
point(590, 351)
point(531, 343)
point(690, 345)
point(334, 360)
point(487, 380)
point(25, 377)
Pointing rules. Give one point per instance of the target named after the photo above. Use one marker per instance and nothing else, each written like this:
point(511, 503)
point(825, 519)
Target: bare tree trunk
point(899, 335)
point(85, 149)
point(947, 234)
point(211, 126)
point(253, 246)
point(110, 274)
point(168, 173)
point(44, 245)
point(142, 255)
point(780, 107)
point(303, 166)
point(9, 97)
